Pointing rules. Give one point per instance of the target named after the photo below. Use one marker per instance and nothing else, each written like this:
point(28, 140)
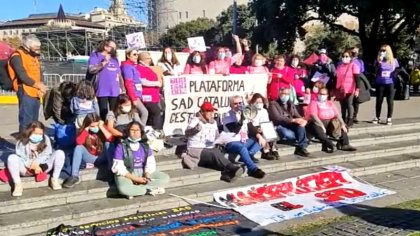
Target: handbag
point(334, 128)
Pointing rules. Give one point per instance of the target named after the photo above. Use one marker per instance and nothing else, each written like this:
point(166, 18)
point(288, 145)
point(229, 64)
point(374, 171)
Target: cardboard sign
point(135, 40)
point(197, 44)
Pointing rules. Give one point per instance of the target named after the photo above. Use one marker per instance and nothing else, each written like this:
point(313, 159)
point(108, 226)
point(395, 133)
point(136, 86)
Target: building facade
point(165, 14)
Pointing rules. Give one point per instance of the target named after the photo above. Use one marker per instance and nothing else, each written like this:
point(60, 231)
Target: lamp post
point(234, 17)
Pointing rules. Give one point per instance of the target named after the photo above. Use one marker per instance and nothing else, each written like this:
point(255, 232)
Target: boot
point(328, 147)
point(350, 122)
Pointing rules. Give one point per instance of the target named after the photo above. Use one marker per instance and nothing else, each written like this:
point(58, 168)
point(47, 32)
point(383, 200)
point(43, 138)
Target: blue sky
point(14, 9)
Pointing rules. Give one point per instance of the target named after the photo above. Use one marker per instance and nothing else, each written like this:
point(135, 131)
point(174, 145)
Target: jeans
point(81, 153)
point(28, 109)
point(103, 105)
point(383, 90)
point(17, 167)
point(245, 151)
point(293, 132)
point(347, 109)
point(155, 117)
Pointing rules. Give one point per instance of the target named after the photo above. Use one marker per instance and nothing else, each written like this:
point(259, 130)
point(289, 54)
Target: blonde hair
point(389, 55)
point(256, 55)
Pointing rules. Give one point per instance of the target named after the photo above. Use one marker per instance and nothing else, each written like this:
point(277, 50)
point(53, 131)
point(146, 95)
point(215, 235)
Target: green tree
point(384, 22)
point(177, 36)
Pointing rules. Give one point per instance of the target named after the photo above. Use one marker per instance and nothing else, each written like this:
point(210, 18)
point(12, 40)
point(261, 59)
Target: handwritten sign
point(135, 40)
point(299, 196)
point(185, 94)
point(197, 44)
point(198, 220)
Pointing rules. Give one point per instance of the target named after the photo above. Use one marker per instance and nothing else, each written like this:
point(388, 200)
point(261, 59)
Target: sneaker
point(348, 148)
point(71, 181)
point(375, 120)
point(301, 152)
point(156, 191)
point(268, 156)
point(389, 121)
point(275, 153)
point(54, 184)
point(258, 173)
point(17, 192)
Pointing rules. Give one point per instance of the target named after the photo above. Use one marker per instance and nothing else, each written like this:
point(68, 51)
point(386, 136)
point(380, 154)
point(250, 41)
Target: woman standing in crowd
point(385, 66)
point(135, 166)
point(84, 102)
point(325, 66)
point(300, 76)
point(346, 91)
point(196, 64)
point(169, 62)
point(220, 66)
point(90, 147)
point(105, 71)
point(123, 114)
point(151, 91)
point(281, 77)
point(34, 156)
point(242, 60)
point(325, 120)
point(133, 83)
point(258, 65)
point(269, 151)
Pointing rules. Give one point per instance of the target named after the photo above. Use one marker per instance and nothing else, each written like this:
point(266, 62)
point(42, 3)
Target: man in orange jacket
point(25, 71)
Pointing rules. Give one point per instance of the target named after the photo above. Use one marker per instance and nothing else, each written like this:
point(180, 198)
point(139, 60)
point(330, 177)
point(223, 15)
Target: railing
point(52, 80)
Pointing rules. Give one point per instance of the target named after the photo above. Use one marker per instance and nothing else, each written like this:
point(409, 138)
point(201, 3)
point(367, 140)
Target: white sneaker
point(389, 121)
point(55, 184)
point(375, 120)
point(17, 192)
point(156, 191)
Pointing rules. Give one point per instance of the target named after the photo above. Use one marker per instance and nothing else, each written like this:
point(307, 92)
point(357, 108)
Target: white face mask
point(134, 146)
point(259, 106)
point(259, 62)
point(168, 56)
point(383, 54)
point(346, 60)
point(295, 63)
point(126, 109)
point(315, 89)
point(196, 59)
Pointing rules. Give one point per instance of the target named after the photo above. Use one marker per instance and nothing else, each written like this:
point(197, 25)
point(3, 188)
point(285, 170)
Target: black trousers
point(214, 159)
point(356, 108)
point(388, 91)
point(155, 117)
point(106, 104)
point(347, 108)
point(319, 133)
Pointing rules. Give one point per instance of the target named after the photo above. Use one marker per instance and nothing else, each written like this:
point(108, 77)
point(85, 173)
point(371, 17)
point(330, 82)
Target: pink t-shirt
point(150, 94)
point(345, 77)
point(325, 111)
point(299, 86)
point(219, 67)
point(258, 70)
point(193, 70)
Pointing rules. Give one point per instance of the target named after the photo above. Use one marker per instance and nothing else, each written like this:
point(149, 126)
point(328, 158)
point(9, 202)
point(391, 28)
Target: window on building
point(180, 15)
point(204, 13)
point(186, 15)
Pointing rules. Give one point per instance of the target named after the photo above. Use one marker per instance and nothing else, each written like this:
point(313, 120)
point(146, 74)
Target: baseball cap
point(323, 51)
point(207, 106)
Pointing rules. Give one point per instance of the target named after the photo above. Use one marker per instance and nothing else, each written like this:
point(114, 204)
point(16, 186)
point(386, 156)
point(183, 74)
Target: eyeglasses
point(135, 130)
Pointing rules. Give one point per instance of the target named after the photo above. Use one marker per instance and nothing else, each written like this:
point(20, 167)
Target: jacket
point(25, 156)
point(280, 115)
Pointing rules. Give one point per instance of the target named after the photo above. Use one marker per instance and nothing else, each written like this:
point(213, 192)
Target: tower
point(118, 8)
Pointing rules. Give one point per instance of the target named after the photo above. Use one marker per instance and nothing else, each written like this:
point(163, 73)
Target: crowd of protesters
point(109, 112)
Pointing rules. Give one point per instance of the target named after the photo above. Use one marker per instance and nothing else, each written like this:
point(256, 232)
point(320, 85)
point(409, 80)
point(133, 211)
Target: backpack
point(48, 102)
point(6, 82)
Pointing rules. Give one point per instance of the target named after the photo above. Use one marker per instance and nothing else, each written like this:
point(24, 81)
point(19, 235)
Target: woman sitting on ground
point(135, 166)
point(34, 157)
point(90, 147)
point(324, 119)
point(124, 113)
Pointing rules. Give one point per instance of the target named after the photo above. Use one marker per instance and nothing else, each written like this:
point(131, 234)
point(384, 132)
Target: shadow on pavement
point(7, 147)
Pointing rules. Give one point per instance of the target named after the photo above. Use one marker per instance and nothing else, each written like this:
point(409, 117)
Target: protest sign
point(197, 44)
point(299, 196)
point(197, 220)
point(185, 94)
point(135, 40)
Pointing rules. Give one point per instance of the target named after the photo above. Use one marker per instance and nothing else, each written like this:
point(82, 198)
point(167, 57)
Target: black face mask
point(34, 54)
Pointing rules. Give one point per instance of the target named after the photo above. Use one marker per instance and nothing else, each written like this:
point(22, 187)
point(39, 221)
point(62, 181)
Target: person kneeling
point(135, 166)
point(324, 120)
point(202, 132)
point(34, 157)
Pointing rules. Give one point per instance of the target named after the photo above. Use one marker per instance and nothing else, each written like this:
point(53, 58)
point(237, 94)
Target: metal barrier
point(52, 80)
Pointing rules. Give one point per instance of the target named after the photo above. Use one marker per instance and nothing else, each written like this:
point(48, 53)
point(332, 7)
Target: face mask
point(196, 59)
point(168, 56)
point(383, 54)
point(346, 60)
point(229, 54)
point(259, 106)
point(258, 62)
point(221, 55)
point(284, 98)
point(322, 98)
point(134, 146)
point(34, 53)
point(315, 89)
point(94, 129)
point(132, 140)
point(126, 109)
point(36, 138)
point(295, 63)
point(354, 54)
point(323, 58)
